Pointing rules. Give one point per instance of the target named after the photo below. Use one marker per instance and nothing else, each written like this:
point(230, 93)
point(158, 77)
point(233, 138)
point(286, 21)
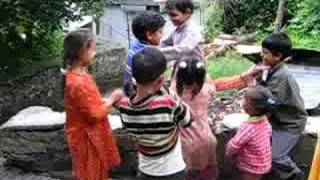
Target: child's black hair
point(190, 72)
point(261, 99)
point(278, 43)
point(180, 5)
point(73, 44)
point(148, 65)
point(146, 21)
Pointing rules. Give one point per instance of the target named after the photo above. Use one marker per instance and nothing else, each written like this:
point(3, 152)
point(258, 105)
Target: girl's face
point(88, 53)
point(177, 17)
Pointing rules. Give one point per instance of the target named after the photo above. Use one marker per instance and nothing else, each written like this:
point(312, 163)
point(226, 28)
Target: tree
point(231, 15)
point(26, 25)
point(307, 19)
point(280, 14)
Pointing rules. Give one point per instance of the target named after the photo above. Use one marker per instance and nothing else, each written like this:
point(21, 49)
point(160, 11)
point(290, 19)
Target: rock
point(37, 117)
point(27, 142)
point(248, 49)
point(44, 88)
point(224, 42)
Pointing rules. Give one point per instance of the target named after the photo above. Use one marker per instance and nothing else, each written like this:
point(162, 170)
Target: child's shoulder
point(136, 46)
point(281, 70)
point(77, 79)
point(167, 95)
point(282, 75)
point(123, 102)
point(193, 28)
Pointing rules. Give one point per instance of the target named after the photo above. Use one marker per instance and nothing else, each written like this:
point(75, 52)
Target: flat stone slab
point(34, 141)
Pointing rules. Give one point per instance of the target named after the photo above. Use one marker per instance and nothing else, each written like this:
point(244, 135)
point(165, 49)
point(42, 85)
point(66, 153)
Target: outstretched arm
point(237, 82)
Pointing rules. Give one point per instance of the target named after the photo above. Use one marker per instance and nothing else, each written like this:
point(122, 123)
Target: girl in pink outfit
point(198, 141)
point(251, 146)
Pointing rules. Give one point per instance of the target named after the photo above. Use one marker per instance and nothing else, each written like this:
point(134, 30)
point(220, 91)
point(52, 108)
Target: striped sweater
point(153, 121)
point(251, 146)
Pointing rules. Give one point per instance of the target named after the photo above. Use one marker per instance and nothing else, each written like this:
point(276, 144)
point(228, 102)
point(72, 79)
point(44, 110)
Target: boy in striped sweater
point(151, 117)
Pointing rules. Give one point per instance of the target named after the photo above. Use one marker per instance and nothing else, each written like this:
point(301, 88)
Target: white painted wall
point(113, 24)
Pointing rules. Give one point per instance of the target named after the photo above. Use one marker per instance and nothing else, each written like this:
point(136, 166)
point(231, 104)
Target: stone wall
point(45, 87)
point(45, 151)
point(34, 141)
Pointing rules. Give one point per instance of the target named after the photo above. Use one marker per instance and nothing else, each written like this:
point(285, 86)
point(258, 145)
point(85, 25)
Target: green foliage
point(214, 19)
point(229, 65)
point(261, 14)
point(305, 40)
point(307, 19)
point(31, 29)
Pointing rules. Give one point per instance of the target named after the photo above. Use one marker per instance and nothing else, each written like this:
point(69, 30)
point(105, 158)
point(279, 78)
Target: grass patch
point(229, 65)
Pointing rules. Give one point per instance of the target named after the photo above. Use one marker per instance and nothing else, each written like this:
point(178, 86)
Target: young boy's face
point(269, 58)
point(177, 17)
point(155, 37)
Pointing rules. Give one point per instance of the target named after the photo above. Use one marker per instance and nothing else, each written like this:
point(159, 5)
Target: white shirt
point(168, 164)
point(184, 41)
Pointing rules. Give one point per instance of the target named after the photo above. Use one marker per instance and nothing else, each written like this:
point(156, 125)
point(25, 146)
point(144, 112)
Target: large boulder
point(34, 141)
point(44, 87)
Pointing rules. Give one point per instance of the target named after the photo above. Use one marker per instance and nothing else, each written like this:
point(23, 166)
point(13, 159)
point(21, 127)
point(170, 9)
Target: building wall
point(114, 26)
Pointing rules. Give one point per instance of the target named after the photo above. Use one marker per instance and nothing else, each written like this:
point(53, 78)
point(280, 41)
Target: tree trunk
point(280, 14)
point(231, 15)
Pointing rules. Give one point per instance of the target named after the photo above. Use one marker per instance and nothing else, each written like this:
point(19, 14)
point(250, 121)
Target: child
point(251, 146)
point(147, 27)
point(88, 132)
point(151, 116)
point(290, 119)
point(198, 141)
point(186, 38)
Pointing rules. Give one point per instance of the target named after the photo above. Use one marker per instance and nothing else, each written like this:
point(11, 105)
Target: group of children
point(169, 121)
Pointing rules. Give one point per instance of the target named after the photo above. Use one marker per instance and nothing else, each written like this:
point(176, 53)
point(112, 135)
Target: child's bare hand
point(256, 70)
point(117, 95)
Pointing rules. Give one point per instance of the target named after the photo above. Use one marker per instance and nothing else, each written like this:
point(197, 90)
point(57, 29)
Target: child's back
point(152, 123)
point(151, 117)
point(251, 146)
point(198, 141)
point(200, 130)
point(253, 137)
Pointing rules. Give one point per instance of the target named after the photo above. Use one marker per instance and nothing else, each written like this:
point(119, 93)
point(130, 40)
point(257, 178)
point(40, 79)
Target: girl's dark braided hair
point(190, 72)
